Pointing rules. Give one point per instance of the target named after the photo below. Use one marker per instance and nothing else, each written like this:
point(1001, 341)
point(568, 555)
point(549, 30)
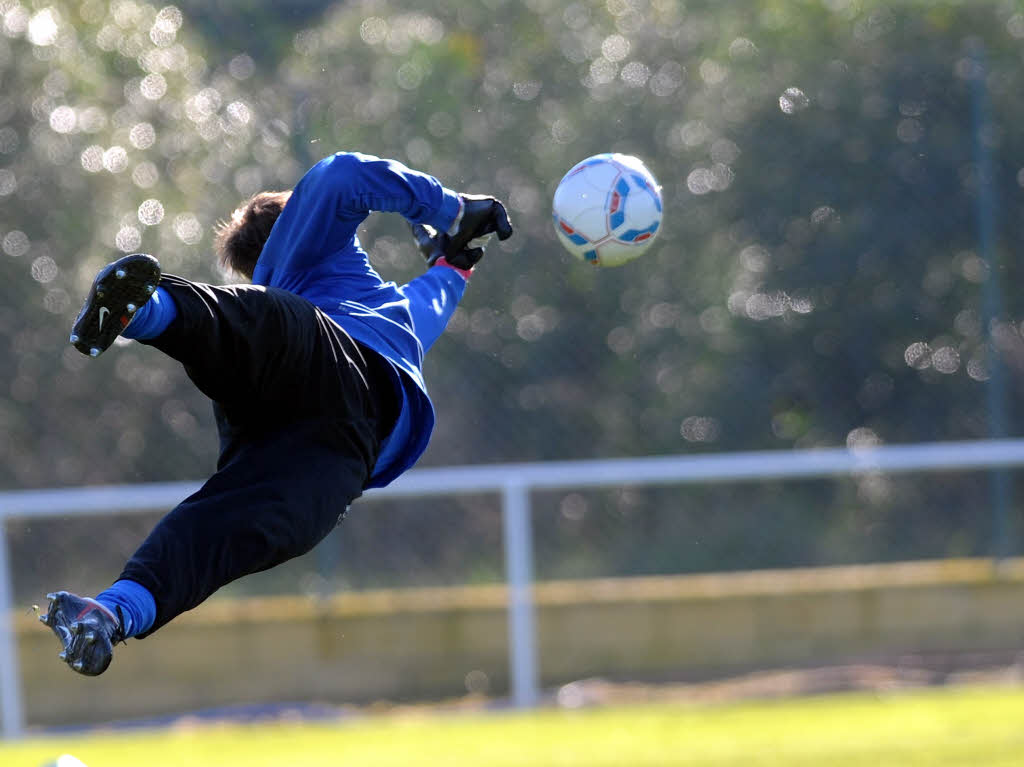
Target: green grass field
point(969, 726)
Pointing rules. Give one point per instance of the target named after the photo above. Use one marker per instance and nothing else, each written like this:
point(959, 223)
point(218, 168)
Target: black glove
point(481, 216)
point(433, 245)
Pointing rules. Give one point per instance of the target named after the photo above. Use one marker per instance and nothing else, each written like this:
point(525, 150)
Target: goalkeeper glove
point(479, 216)
point(433, 245)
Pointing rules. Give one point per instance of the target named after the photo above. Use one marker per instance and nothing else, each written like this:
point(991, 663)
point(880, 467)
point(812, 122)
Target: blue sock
point(138, 608)
point(153, 317)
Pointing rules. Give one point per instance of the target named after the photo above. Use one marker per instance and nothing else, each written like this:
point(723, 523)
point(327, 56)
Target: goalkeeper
point(315, 372)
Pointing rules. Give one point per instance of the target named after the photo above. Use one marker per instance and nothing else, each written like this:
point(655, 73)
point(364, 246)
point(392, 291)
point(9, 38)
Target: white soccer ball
point(607, 209)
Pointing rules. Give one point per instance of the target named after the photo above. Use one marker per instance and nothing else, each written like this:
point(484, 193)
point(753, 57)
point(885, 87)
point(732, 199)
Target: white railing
point(514, 482)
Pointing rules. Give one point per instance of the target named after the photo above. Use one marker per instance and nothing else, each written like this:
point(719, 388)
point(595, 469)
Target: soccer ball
point(607, 209)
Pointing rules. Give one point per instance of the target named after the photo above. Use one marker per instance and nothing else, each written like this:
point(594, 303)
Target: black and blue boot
point(87, 629)
point(117, 293)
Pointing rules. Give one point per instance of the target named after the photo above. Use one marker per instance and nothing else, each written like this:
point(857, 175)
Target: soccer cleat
point(87, 629)
point(117, 293)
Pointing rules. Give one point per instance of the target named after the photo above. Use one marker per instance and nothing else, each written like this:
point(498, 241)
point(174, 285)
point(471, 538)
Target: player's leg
point(260, 353)
point(274, 364)
point(249, 348)
point(276, 499)
point(273, 501)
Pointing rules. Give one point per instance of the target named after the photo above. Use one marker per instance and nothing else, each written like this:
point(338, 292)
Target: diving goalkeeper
point(314, 370)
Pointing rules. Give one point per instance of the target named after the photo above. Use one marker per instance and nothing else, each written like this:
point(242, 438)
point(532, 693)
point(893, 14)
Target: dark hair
point(240, 240)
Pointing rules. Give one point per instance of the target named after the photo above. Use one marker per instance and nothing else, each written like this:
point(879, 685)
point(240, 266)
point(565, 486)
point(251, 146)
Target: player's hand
point(434, 245)
point(481, 216)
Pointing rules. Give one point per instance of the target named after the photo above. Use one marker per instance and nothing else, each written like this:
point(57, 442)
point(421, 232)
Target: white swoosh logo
point(104, 311)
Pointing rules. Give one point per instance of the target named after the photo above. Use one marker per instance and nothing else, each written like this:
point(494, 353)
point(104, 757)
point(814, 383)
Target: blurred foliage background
point(838, 264)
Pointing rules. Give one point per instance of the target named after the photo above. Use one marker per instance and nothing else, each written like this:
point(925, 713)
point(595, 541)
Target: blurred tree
point(818, 280)
point(116, 136)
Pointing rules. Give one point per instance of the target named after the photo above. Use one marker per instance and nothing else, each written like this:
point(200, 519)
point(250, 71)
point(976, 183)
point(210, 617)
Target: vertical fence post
point(522, 635)
point(986, 208)
point(10, 689)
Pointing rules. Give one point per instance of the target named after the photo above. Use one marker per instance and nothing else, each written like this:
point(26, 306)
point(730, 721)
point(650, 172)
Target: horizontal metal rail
point(514, 481)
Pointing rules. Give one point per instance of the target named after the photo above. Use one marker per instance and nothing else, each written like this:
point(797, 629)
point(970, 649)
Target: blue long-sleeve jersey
point(313, 252)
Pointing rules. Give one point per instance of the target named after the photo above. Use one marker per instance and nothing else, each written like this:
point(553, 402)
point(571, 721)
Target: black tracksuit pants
point(301, 409)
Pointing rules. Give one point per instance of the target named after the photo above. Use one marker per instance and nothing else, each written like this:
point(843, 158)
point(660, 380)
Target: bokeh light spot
point(526, 90)
point(16, 243)
point(128, 239)
point(145, 175)
point(57, 301)
point(115, 159)
point(43, 28)
point(793, 100)
point(8, 182)
point(918, 355)
point(635, 74)
point(142, 135)
point(187, 228)
point(92, 120)
point(238, 112)
point(713, 73)
point(44, 269)
point(862, 437)
point(946, 360)
point(15, 21)
point(440, 124)
point(697, 428)
point(92, 159)
point(741, 48)
point(153, 86)
point(63, 120)
point(242, 66)
point(615, 48)
point(151, 212)
point(373, 30)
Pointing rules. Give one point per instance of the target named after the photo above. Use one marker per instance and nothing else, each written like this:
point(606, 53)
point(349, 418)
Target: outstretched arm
point(359, 183)
point(433, 297)
point(329, 203)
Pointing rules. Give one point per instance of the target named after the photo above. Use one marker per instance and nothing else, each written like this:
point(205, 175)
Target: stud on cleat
point(150, 289)
point(131, 308)
point(87, 630)
point(74, 338)
point(120, 274)
point(94, 352)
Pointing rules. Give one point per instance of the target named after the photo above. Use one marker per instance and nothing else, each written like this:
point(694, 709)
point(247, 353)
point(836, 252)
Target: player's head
point(239, 241)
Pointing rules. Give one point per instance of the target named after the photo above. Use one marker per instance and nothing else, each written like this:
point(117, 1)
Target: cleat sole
point(86, 629)
point(117, 293)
